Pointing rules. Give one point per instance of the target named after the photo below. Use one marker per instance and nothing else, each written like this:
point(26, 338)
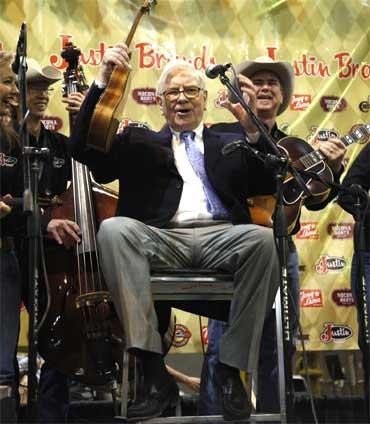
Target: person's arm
point(192, 382)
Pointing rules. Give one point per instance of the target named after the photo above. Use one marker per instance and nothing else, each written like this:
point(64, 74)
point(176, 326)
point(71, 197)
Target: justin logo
point(126, 122)
point(222, 96)
point(308, 231)
point(58, 162)
point(182, 336)
point(311, 298)
point(7, 161)
point(318, 134)
point(334, 333)
point(300, 101)
point(330, 264)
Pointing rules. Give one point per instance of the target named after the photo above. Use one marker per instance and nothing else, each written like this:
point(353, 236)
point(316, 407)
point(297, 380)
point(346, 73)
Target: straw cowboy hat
point(41, 76)
point(283, 70)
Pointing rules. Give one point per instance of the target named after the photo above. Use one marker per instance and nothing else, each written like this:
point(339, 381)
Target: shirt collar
point(198, 131)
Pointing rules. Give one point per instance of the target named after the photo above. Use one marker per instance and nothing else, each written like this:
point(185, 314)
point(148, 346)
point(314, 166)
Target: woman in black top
point(10, 282)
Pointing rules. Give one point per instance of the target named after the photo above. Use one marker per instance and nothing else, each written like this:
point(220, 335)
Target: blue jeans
point(10, 301)
point(268, 387)
point(355, 291)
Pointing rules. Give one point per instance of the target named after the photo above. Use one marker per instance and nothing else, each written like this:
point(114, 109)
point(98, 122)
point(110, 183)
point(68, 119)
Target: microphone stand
point(281, 163)
point(31, 169)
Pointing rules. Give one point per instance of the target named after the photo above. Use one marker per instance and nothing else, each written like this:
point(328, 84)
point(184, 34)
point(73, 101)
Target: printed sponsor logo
point(144, 96)
point(7, 161)
point(340, 230)
point(311, 298)
point(182, 336)
point(300, 101)
point(308, 231)
point(333, 103)
point(222, 96)
point(365, 105)
point(335, 333)
point(343, 297)
point(318, 134)
point(330, 264)
point(52, 123)
point(58, 162)
point(126, 122)
point(205, 334)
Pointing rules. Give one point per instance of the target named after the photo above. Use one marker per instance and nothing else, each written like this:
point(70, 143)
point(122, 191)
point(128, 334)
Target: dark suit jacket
point(150, 186)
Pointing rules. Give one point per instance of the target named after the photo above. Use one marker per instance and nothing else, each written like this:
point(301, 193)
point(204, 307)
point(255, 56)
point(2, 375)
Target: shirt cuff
point(100, 84)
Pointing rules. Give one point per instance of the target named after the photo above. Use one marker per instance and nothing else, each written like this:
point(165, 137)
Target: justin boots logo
point(318, 134)
point(222, 96)
point(330, 264)
point(182, 336)
point(308, 231)
point(335, 333)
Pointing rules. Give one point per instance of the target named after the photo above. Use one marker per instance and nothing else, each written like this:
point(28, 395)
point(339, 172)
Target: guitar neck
point(359, 135)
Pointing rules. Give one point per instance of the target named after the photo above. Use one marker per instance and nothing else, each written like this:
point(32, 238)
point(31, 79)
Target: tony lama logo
point(330, 264)
point(311, 298)
point(300, 101)
point(308, 231)
point(335, 333)
point(182, 336)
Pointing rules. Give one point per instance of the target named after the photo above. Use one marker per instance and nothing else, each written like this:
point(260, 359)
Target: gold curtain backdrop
point(326, 41)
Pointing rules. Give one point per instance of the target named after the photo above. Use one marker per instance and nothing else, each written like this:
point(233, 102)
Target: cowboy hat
point(283, 70)
point(41, 76)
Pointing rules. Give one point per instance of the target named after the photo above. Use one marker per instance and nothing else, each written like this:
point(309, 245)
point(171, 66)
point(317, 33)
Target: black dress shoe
point(233, 397)
point(154, 403)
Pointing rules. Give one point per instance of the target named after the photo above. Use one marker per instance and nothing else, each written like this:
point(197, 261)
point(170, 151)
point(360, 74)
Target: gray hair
point(179, 64)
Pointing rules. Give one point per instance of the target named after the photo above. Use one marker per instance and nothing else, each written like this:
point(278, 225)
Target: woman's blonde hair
point(6, 57)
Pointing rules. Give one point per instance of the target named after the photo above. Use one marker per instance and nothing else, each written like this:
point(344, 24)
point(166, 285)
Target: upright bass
point(81, 335)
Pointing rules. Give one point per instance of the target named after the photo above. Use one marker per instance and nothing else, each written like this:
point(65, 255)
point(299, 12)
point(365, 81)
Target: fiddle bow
point(108, 111)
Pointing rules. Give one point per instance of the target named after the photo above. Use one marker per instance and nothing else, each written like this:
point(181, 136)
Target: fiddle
point(108, 111)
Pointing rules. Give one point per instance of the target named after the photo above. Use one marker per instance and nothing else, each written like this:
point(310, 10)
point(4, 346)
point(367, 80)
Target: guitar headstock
point(147, 5)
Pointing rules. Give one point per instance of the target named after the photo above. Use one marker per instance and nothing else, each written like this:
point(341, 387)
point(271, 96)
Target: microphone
point(213, 71)
point(20, 48)
point(231, 147)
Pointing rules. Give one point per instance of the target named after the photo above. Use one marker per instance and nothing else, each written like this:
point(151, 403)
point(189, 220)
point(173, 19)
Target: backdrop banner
point(326, 42)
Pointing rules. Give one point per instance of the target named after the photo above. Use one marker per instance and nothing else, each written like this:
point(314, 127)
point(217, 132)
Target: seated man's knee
point(114, 229)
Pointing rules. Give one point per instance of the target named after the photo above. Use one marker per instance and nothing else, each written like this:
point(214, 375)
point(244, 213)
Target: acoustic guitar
point(303, 156)
point(108, 111)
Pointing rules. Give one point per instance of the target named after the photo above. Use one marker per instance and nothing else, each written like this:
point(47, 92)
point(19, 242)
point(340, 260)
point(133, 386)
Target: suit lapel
point(212, 148)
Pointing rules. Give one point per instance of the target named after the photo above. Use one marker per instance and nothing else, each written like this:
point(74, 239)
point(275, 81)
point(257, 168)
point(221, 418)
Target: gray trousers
point(129, 249)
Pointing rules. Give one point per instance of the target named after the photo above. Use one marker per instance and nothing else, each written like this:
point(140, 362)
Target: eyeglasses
point(189, 92)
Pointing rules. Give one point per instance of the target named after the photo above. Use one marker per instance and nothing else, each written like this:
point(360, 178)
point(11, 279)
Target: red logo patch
point(308, 231)
point(343, 297)
point(300, 101)
point(340, 230)
point(311, 298)
point(182, 336)
point(333, 104)
point(52, 123)
point(144, 96)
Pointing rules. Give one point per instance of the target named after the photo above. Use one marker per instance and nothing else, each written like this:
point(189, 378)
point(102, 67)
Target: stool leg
point(124, 384)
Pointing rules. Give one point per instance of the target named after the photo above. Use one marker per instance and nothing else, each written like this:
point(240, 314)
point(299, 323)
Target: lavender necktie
point(196, 159)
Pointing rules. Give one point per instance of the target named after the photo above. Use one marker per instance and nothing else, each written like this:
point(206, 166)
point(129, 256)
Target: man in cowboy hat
point(267, 87)
point(53, 392)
